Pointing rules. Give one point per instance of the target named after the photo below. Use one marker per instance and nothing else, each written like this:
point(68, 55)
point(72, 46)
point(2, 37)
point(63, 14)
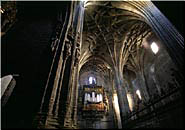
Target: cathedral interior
point(92, 65)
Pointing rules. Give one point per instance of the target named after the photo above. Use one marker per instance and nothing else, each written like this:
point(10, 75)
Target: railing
point(148, 108)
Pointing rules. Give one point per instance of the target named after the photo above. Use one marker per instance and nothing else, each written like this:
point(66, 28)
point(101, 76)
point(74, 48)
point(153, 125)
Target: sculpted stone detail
point(54, 43)
point(134, 45)
point(55, 39)
point(69, 41)
point(77, 54)
point(68, 48)
point(71, 34)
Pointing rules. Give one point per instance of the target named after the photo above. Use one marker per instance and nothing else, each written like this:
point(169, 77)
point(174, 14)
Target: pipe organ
point(95, 98)
point(94, 101)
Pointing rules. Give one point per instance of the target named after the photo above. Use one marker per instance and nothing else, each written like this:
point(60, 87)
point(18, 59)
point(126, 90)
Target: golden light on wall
point(116, 102)
point(154, 47)
point(138, 93)
point(130, 101)
point(116, 107)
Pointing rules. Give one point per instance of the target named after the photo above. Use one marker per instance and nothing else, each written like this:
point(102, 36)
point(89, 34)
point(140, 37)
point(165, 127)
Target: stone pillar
point(117, 120)
point(58, 65)
point(56, 81)
point(75, 104)
point(68, 53)
point(152, 73)
point(122, 96)
point(131, 90)
point(142, 86)
point(71, 98)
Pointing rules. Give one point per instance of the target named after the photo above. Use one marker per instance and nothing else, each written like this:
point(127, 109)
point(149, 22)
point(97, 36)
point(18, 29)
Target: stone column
point(68, 53)
point(78, 25)
point(122, 96)
point(75, 98)
point(55, 86)
point(131, 91)
point(117, 119)
point(152, 73)
point(59, 76)
point(142, 86)
point(50, 91)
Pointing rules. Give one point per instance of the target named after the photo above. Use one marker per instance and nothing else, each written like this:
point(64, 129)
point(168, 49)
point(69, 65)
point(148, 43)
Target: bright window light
point(89, 97)
point(90, 80)
point(100, 98)
point(154, 47)
point(93, 96)
point(97, 98)
point(138, 93)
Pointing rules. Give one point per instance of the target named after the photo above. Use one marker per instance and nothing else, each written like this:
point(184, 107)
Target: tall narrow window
point(92, 80)
point(93, 96)
point(88, 97)
point(98, 98)
point(101, 98)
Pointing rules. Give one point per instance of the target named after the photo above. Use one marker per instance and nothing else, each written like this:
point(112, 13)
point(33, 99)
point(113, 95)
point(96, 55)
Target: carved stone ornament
point(68, 48)
point(54, 43)
point(78, 39)
point(77, 56)
point(70, 34)
point(58, 29)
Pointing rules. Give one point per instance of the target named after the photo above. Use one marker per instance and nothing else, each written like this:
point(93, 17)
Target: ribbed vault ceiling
point(112, 36)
